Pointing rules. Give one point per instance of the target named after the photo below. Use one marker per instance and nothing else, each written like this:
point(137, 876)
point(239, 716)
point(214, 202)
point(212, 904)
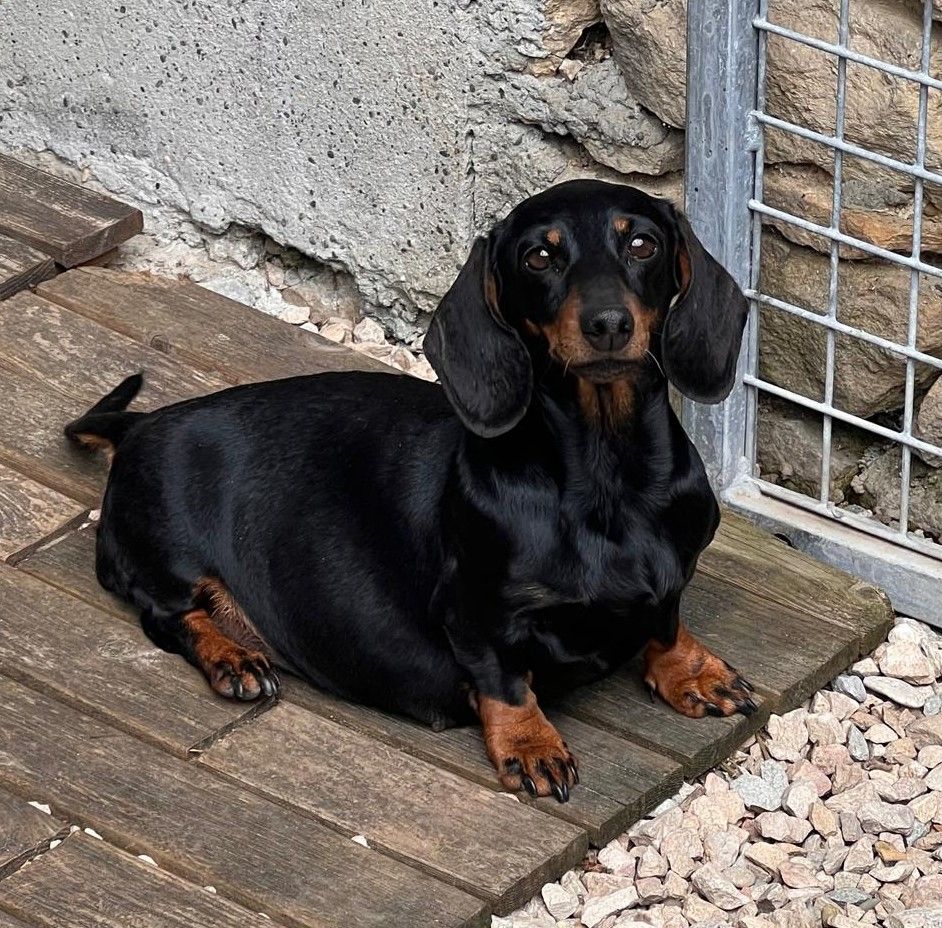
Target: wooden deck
point(311, 810)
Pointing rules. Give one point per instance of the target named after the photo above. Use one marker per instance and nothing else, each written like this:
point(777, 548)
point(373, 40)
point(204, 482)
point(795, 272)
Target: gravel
point(830, 817)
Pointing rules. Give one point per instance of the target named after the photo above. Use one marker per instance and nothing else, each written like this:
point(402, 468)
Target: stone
point(851, 686)
point(857, 744)
point(866, 667)
point(675, 887)
point(926, 732)
point(933, 705)
point(926, 807)
point(716, 889)
point(797, 874)
point(682, 847)
point(805, 770)
point(850, 827)
point(799, 798)
point(824, 820)
point(880, 733)
point(902, 790)
point(915, 918)
point(369, 330)
point(759, 794)
point(906, 661)
point(615, 858)
point(852, 799)
point(824, 728)
point(892, 874)
point(778, 826)
point(651, 864)
point(882, 816)
point(698, 911)
point(767, 856)
point(650, 891)
point(559, 901)
point(900, 752)
point(931, 755)
point(860, 856)
point(598, 908)
point(721, 848)
point(834, 858)
point(788, 735)
point(928, 425)
point(829, 757)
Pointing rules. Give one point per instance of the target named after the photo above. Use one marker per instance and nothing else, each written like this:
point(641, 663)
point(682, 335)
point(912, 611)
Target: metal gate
point(727, 129)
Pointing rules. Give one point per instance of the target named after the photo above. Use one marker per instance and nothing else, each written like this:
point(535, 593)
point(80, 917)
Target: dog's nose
point(609, 330)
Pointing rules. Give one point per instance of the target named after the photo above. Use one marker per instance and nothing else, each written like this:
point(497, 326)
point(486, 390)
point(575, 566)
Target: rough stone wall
point(373, 138)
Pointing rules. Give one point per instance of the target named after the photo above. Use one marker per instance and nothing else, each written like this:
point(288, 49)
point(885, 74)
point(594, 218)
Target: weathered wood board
point(23, 829)
point(201, 328)
point(254, 851)
point(105, 666)
point(68, 222)
point(619, 780)
point(30, 511)
point(86, 883)
point(401, 805)
point(81, 359)
point(758, 562)
point(22, 266)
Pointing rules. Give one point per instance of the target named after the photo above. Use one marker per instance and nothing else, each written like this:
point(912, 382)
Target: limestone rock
point(597, 908)
point(872, 296)
point(559, 901)
point(876, 817)
point(716, 889)
point(929, 422)
point(899, 691)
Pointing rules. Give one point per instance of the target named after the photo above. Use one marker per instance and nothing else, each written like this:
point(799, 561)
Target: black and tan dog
point(445, 552)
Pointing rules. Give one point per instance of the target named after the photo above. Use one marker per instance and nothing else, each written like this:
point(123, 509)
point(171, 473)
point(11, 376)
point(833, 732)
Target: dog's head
point(604, 280)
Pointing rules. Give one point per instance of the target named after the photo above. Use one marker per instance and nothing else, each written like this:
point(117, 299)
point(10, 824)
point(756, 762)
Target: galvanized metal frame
point(726, 119)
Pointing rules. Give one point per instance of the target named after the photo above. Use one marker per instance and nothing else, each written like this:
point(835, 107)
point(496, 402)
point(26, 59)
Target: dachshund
point(448, 552)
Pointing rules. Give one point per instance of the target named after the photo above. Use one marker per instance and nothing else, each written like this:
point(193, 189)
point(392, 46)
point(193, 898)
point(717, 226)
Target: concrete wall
point(373, 136)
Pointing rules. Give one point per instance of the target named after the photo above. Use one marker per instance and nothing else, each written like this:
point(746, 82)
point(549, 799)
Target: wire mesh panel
point(835, 117)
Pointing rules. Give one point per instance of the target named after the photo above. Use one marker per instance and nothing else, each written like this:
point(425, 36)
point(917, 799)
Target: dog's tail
point(106, 423)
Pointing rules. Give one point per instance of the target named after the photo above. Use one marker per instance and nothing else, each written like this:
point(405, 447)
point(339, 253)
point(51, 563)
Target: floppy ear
point(703, 330)
point(480, 360)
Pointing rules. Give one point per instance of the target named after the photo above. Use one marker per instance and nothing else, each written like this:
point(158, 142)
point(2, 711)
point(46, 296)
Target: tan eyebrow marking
point(622, 224)
point(554, 236)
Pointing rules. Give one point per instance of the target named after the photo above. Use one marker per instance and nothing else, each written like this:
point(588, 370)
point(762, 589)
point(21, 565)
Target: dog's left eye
point(538, 259)
point(642, 247)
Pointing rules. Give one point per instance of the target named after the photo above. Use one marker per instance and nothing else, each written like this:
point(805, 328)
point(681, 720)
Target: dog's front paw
point(694, 681)
point(242, 674)
point(527, 750)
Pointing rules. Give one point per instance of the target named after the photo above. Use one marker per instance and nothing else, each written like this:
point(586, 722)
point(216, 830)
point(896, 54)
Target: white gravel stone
point(651, 864)
point(600, 907)
point(559, 901)
point(899, 691)
point(717, 889)
point(788, 735)
point(778, 826)
point(906, 661)
point(799, 798)
point(882, 816)
point(926, 732)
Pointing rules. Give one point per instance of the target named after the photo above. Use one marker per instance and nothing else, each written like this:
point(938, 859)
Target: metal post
point(722, 79)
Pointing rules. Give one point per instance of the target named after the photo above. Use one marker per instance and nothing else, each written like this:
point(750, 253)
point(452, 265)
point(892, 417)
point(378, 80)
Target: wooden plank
point(86, 883)
point(24, 829)
point(757, 561)
point(784, 652)
point(622, 705)
point(22, 266)
point(81, 359)
point(256, 852)
point(105, 666)
point(619, 781)
point(478, 840)
point(202, 328)
point(31, 440)
point(69, 564)
point(69, 222)
point(29, 511)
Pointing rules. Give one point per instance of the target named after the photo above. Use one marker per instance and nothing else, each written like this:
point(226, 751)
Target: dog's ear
point(703, 329)
point(480, 360)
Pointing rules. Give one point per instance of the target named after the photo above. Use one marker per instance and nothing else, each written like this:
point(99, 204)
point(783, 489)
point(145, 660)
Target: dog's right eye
point(538, 259)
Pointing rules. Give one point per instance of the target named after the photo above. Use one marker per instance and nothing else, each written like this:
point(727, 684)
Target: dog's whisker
point(647, 351)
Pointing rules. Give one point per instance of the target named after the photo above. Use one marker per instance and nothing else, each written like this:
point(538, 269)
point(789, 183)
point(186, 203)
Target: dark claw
point(713, 710)
point(561, 792)
point(529, 786)
point(237, 688)
point(748, 707)
point(574, 773)
point(267, 687)
point(744, 684)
